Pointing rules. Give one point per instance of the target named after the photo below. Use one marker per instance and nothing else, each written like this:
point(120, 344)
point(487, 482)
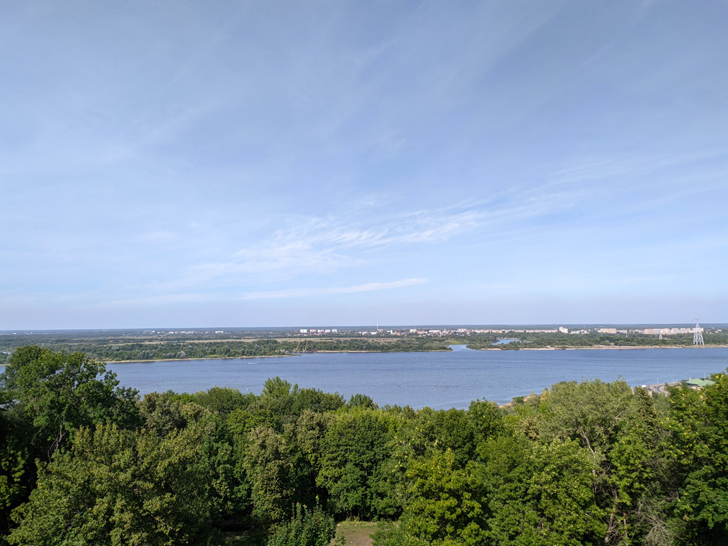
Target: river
point(438, 380)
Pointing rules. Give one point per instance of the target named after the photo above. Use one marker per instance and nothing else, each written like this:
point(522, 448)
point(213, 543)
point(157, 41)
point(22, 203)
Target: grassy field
point(356, 533)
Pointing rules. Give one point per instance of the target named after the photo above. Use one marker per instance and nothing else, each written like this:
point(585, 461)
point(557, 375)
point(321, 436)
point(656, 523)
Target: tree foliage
point(84, 461)
point(305, 528)
point(61, 393)
point(121, 487)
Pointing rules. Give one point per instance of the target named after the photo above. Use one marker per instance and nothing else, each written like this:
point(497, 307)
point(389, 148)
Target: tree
point(61, 393)
point(44, 398)
point(590, 412)
point(636, 474)
point(439, 431)
point(162, 413)
point(599, 416)
point(304, 438)
point(353, 451)
point(444, 502)
point(421, 436)
point(698, 449)
point(362, 401)
point(268, 464)
point(485, 420)
point(540, 493)
point(316, 400)
point(121, 487)
point(224, 400)
point(17, 476)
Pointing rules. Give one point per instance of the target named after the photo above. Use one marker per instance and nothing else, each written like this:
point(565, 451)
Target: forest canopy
point(84, 460)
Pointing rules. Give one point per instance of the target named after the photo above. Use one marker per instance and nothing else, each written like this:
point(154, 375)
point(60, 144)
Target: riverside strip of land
point(153, 345)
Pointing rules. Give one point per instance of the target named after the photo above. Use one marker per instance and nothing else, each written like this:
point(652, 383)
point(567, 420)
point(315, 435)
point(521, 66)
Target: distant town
point(376, 331)
point(471, 331)
point(179, 344)
point(439, 331)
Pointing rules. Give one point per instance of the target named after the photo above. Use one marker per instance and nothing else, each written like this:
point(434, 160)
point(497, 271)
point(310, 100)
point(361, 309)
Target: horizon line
point(375, 326)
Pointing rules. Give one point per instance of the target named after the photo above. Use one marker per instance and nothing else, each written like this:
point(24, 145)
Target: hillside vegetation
point(85, 461)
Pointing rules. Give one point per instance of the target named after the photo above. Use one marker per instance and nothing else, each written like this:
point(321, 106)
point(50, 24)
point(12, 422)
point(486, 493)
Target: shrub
point(306, 528)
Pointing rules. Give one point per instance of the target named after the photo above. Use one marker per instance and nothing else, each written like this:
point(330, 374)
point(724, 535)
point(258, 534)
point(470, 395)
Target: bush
point(306, 528)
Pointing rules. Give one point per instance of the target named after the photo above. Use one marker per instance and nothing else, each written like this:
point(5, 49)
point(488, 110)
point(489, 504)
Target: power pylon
point(698, 334)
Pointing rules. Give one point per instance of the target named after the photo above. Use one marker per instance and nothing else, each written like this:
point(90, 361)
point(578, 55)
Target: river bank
point(264, 356)
point(606, 347)
point(486, 349)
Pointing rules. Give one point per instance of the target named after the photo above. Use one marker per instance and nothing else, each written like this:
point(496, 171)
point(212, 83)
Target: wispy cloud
point(626, 169)
point(416, 227)
point(177, 298)
point(326, 244)
point(304, 292)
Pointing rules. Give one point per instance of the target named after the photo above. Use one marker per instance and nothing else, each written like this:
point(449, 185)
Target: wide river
point(439, 380)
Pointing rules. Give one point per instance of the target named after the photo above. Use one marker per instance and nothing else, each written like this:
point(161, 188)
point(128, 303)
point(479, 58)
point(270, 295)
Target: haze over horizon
point(276, 164)
point(344, 327)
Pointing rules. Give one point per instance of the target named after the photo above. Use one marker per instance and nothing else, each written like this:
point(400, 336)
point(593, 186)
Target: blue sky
point(170, 164)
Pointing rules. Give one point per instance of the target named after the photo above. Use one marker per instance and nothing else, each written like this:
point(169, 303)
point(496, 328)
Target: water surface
point(438, 380)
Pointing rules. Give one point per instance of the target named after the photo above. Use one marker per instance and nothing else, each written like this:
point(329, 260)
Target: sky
point(287, 163)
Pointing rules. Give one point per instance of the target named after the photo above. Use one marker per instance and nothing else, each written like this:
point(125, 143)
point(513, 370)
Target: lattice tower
point(698, 334)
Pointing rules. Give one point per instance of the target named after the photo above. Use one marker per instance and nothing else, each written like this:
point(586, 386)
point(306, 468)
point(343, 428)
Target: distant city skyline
point(343, 329)
point(279, 164)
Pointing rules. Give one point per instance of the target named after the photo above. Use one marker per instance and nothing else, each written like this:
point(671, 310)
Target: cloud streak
point(307, 292)
point(326, 244)
point(290, 293)
point(323, 245)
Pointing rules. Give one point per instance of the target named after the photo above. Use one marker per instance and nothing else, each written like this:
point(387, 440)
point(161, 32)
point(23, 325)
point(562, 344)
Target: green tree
point(268, 466)
point(590, 412)
point(316, 400)
point(121, 487)
point(437, 431)
point(353, 451)
point(223, 400)
point(305, 528)
point(602, 418)
point(61, 393)
point(361, 401)
point(698, 449)
point(162, 413)
point(304, 438)
point(17, 473)
point(540, 493)
point(274, 407)
point(444, 502)
point(637, 467)
point(44, 398)
point(485, 419)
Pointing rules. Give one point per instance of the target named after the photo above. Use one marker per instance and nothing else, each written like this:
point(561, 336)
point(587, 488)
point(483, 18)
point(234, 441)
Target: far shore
point(433, 351)
point(195, 358)
point(608, 347)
